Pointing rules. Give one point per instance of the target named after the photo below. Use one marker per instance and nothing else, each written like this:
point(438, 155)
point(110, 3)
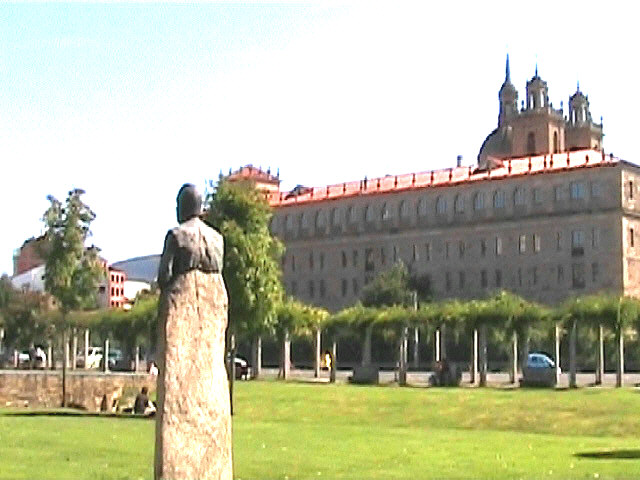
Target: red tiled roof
point(447, 177)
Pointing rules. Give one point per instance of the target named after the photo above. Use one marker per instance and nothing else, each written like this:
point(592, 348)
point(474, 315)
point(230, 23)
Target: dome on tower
point(498, 144)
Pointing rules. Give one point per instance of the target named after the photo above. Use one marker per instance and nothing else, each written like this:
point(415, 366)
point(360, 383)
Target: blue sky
point(129, 101)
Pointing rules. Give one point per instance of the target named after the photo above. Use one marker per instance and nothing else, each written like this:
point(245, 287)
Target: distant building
point(545, 213)
point(141, 274)
point(264, 181)
point(28, 256)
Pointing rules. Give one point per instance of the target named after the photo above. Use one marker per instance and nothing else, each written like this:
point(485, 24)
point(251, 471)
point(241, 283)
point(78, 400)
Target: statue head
point(189, 203)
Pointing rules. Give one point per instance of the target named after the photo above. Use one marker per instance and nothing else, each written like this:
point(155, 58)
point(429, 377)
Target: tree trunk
point(231, 366)
point(513, 374)
point(105, 356)
point(620, 359)
point(572, 354)
point(318, 353)
point(286, 356)
point(136, 365)
point(416, 348)
point(483, 356)
point(474, 358)
point(334, 360)
point(86, 348)
point(557, 352)
point(600, 359)
point(65, 355)
point(256, 357)
point(402, 371)
point(366, 346)
point(443, 342)
point(436, 345)
point(74, 351)
point(50, 364)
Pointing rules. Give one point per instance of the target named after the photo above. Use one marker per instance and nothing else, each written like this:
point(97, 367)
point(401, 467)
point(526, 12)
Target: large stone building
point(545, 213)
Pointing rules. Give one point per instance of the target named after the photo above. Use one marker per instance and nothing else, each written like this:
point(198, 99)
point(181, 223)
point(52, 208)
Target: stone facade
point(546, 235)
point(43, 389)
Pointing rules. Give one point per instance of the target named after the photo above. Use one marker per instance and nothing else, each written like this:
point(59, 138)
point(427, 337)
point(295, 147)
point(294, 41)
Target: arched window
point(556, 148)
point(498, 199)
point(531, 143)
point(403, 209)
point(421, 207)
point(384, 212)
point(352, 213)
point(304, 220)
point(518, 197)
point(441, 205)
point(478, 201)
point(321, 219)
point(336, 217)
point(368, 213)
point(458, 204)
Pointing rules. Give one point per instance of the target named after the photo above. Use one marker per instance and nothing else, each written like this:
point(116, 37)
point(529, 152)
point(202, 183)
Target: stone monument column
point(193, 423)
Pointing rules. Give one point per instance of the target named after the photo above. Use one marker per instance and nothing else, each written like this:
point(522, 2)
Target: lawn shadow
point(76, 415)
point(610, 455)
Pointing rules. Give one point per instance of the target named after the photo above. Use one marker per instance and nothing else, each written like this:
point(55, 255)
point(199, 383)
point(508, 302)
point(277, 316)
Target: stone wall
point(86, 390)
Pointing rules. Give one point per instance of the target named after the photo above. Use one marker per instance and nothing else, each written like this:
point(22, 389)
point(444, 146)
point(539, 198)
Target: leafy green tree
point(252, 256)
point(72, 271)
point(389, 288)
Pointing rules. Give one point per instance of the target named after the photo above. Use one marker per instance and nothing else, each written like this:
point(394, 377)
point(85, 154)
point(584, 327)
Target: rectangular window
point(559, 241)
point(383, 256)
point(498, 246)
point(483, 247)
point(632, 238)
point(312, 289)
point(595, 272)
point(578, 275)
point(596, 190)
point(498, 278)
point(577, 238)
point(356, 287)
point(293, 263)
point(630, 189)
point(344, 259)
point(311, 261)
point(294, 288)
point(344, 287)
point(323, 290)
point(446, 250)
point(368, 260)
point(557, 192)
point(461, 247)
point(560, 273)
point(461, 280)
point(427, 250)
point(595, 238)
point(534, 276)
point(415, 253)
point(447, 281)
point(395, 253)
point(536, 243)
point(284, 261)
point(519, 277)
point(537, 195)
point(522, 244)
point(322, 261)
point(355, 258)
point(578, 190)
point(483, 279)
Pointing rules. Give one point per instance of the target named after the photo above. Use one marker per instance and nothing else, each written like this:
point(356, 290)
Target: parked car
point(117, 361)
point(33, 358)
point(94, 359)
point(540, 360)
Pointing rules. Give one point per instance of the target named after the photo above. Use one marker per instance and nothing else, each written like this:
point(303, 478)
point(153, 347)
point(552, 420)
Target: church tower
point(508, 98)
point(582, 132)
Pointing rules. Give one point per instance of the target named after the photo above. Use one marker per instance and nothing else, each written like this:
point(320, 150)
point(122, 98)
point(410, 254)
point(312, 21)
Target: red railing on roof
point(450, 176)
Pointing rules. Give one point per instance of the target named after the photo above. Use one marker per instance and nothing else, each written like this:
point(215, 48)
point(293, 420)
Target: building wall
point(28, 256)
point(567, 223)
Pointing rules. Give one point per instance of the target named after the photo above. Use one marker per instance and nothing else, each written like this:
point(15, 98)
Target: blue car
point(540, 360)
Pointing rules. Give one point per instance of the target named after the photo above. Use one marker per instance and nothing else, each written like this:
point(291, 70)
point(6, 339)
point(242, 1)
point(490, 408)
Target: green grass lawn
point(299, 431)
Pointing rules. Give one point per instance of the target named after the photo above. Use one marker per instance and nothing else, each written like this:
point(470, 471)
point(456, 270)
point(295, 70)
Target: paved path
point(500, 379)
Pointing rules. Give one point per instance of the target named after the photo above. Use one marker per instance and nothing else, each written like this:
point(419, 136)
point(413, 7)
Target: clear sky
point(130, 101)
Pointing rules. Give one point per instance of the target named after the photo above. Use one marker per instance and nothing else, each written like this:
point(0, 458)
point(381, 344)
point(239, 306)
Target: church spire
point(507, 76)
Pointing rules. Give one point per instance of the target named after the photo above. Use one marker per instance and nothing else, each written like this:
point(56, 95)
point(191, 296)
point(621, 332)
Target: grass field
point(295, 431)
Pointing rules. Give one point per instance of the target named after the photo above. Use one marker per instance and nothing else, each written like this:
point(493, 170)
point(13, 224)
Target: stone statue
point(193, 424)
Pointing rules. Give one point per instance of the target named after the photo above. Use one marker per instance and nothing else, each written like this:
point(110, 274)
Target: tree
point(72, 271)
point(389, 288)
